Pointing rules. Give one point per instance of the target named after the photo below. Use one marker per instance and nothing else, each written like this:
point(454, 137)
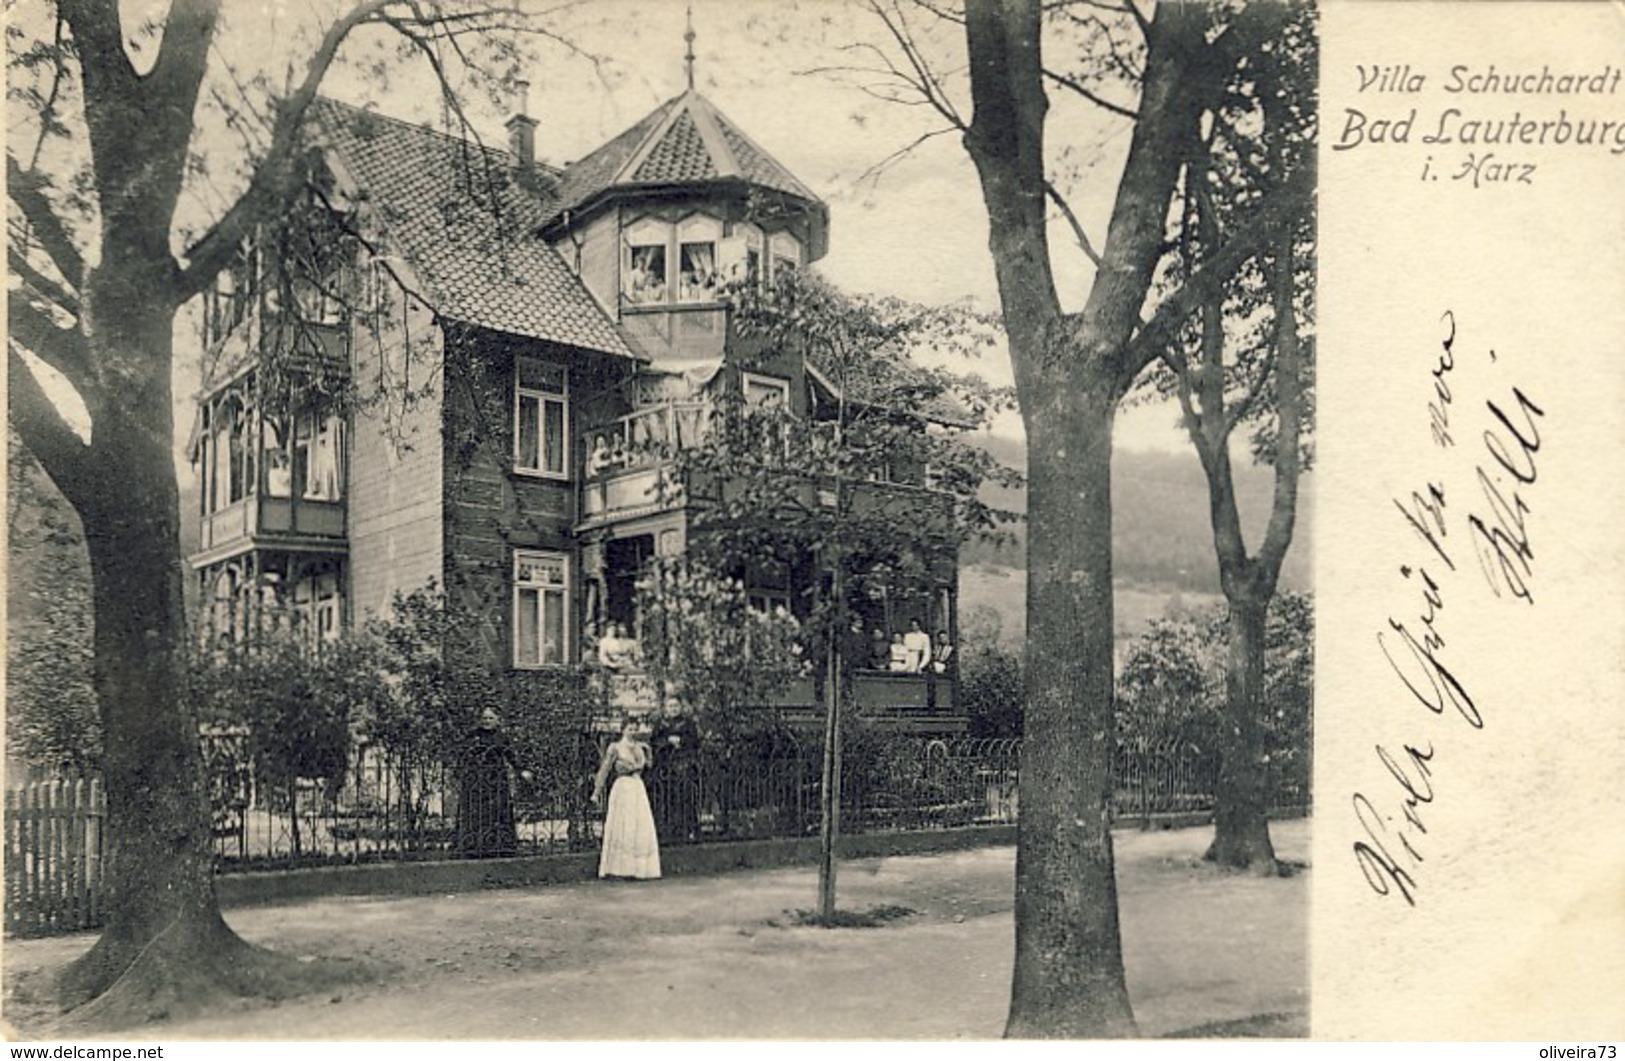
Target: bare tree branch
point(27, 190)
point(59, 449)
point(47, 111)
point(1078, 233)
point(64, 349)
point(42, 285)
point(925, 79)
point(214, 251)
point(1088, 94)
point(1155, 335)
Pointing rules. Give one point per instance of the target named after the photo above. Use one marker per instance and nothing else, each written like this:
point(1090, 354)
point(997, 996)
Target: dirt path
point(720, 957)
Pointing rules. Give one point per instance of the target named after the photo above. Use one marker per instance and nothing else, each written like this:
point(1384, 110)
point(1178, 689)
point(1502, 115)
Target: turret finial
point(688, 38)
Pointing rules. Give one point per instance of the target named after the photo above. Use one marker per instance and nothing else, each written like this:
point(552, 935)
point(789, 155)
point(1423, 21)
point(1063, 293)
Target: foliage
point(439, 689)
point(880, 474)
point(51, 717)
point(1171, 687)
point(290, 704)
point(709, 650)
point(990, 687)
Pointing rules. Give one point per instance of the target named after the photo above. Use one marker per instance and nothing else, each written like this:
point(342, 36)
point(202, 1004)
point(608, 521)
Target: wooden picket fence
point(55, 839)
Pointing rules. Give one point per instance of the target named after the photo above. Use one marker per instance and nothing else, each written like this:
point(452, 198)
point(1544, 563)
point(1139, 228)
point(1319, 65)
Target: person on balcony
point(879, 650)
point(616, 651)
point(600, 459)
point(897, 659)
point(917, 646)
point(942, 656)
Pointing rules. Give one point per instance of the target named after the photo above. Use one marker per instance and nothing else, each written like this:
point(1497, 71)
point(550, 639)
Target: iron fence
point(488, 803)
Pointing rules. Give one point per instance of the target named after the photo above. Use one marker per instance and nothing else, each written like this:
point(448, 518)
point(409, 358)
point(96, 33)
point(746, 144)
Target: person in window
point(897, 657)
point(942, 655)
point(631, 850)
point(917, 645)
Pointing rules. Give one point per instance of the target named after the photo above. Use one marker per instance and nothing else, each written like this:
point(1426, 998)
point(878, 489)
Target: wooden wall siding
point(396, 462)
point(600, 259)
point(490, 509)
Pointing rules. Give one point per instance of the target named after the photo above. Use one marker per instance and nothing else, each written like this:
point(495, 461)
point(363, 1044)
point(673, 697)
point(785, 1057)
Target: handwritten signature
point(1389, 852)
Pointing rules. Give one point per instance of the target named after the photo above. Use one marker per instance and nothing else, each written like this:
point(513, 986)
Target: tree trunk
point(829, 826)
point(1069, 964)
point(1241, 834)
point(165, 948)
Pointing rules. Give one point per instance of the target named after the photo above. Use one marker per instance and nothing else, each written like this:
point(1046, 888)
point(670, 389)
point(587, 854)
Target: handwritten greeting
point(1484, 126)
point(1481, 532)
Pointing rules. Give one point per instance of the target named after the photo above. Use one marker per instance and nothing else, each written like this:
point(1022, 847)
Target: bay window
point(541, 607)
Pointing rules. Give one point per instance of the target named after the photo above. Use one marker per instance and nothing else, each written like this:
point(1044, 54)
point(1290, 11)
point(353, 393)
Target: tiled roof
point(678, 157)
point(466, 218)
point(685, 140)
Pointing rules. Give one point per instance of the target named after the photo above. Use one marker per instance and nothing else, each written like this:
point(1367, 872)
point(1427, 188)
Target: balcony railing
point(629, 459)
point(259, 514)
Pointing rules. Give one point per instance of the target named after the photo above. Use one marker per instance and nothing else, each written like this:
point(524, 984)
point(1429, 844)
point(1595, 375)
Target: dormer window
point(697, 239)
point(786, 252)
point(645, 276)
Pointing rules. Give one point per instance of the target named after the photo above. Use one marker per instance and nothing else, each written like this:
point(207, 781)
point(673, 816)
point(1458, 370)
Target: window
point(697, 239)
point(644, 268)
point(318, 457)
point(541, 419)
point(317, 607)
point(541, 605)
point(739, 257)
point(766, 392)
point(786, 251)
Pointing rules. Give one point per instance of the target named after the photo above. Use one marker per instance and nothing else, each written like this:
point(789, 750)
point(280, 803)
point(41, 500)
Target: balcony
point(922, 702)
point(258, 519)
point(629, 460)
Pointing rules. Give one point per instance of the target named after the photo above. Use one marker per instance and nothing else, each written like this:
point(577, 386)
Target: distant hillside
point(1161, 534)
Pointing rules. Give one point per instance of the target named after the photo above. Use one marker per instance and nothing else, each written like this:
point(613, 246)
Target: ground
point(1207, 952)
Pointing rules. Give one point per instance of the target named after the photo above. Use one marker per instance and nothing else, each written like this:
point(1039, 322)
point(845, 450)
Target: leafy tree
point(1165, 696)
point(879, 485)
point(990, 683)
point(112, 109)
point(1245, 361)
point(1072, 369)
point(293, 702)
point(708, 650)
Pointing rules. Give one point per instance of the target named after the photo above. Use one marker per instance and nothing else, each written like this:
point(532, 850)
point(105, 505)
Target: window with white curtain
point(698, 274)
point(541, 431)
point(541, 608)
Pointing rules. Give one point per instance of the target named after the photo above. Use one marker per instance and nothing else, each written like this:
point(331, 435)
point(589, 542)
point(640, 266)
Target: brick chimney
point(522, 129)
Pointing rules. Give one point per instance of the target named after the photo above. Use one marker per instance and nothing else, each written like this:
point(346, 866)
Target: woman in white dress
point(630, 848)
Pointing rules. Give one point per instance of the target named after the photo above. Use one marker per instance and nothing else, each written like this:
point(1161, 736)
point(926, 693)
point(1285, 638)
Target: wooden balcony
point(628, 467)
point(916, 702)
point(299, 524)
